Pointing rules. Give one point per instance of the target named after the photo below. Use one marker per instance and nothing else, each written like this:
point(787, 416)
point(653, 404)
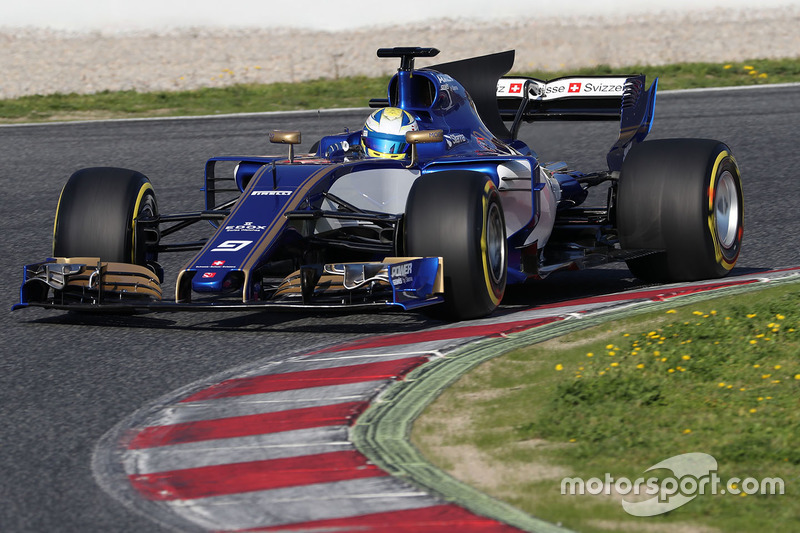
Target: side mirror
point(422, 137)
point(286, 137)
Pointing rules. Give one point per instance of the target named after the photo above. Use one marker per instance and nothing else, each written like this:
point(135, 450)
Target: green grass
point(721, 378)
point(345, 92)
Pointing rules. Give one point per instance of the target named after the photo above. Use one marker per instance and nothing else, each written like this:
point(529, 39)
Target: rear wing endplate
point(622, 98)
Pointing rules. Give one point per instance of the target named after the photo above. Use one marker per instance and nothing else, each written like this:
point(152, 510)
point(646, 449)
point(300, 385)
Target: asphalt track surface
point(66, 379)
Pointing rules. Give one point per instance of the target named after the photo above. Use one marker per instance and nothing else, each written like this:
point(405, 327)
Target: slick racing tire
point(682, 197)
point(457, 215)
point(97, 216)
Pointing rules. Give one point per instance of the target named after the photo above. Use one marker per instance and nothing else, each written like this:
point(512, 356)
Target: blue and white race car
point(435, 202)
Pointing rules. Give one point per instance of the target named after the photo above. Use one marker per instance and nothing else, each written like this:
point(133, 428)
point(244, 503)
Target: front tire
point(97, 216)
point(682, 197)
point(457, 215)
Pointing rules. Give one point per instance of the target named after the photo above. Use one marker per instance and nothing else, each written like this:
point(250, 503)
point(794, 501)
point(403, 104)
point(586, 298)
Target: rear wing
point(622, 98)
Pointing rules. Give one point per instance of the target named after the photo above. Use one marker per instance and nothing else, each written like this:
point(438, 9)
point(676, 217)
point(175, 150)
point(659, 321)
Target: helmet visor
point(386, 143)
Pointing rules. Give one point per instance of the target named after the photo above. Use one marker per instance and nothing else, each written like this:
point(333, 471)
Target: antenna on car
point(407, 54)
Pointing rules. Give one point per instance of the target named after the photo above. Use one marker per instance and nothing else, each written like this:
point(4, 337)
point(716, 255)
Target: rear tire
point(684, 198)
point(457, 215)
point(97, 213)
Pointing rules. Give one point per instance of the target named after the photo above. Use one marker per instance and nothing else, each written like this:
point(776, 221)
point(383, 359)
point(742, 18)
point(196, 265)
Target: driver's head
point(384, 133)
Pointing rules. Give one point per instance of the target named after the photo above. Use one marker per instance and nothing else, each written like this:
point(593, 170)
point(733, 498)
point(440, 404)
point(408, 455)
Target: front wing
point(90, 284)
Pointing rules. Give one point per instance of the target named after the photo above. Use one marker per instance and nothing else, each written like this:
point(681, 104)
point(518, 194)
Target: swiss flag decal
point(574, 87)
point(515, 88)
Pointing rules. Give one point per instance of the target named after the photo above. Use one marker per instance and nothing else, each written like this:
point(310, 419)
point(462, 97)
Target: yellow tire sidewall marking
point(485, 244)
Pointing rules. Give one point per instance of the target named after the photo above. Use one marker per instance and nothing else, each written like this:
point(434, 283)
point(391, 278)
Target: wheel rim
point(726, 210)
point(495, 243)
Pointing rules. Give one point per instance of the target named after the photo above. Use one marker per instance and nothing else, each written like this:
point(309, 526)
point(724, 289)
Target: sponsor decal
point(218, 263)
point(247, 226)
point(207, 275)
point(563, 87)
point(453, 139)
point(444, 78)
point(232, 246)
point(271, 193)
point(603, 88)
point(402, 273)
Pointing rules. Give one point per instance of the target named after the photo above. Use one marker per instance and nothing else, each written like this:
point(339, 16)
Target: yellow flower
point(777, 367)
point(779, 317)
point(748, 67)
point(760, 398)
point(697, 313)
point(713, 311)
point(753, 72)
point(671, 370)
point(640, 366)
point(742, 389)
point(763, 75)
point(671, 312)
point(756, 366)
point(687, 431)
point(656, 353)
point(721, 384)
point(727, 67)
point(753, 410)
point(753, 341)
point(663, 359)
point(609, 346)
point(612, 353)
point(572, 440)
point(752, 315)
point(797, 377)
point(766, 376)
point(590, 354)
point(776, 381)
point(615, 365)
point(559, 367)
point(686, 357)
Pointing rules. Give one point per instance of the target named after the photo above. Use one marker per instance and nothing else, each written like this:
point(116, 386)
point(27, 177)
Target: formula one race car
point(434, 202)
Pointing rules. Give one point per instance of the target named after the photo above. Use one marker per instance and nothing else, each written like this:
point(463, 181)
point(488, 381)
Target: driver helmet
point(384, 133)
